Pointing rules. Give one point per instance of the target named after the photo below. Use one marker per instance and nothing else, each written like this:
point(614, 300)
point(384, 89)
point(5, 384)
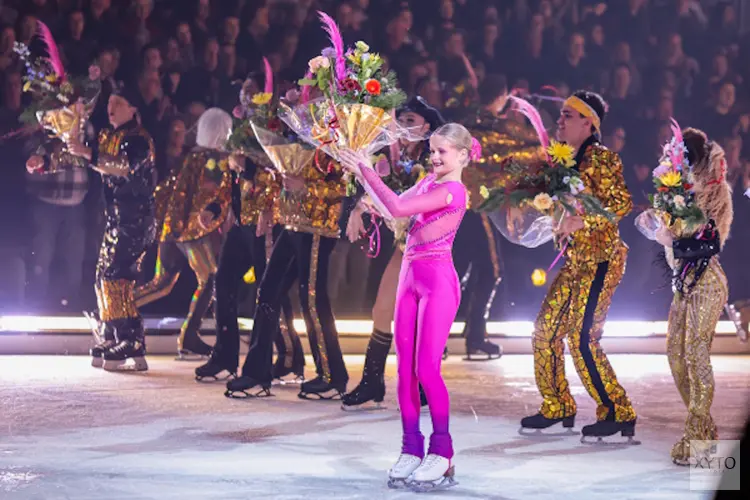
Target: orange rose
point(372, 87)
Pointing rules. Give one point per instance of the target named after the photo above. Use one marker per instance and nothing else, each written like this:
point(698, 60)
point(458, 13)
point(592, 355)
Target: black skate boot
point(105, 340)
point(210, 371)
point(282, 369)
point(538, 422)
point(372, 386)
point(485, 351)
point(240, 388)
point(319, 389)
point(606, 428)
point(131, 345)
point(192, 348)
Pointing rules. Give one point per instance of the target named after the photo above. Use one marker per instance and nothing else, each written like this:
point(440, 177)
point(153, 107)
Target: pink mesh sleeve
point(409, 203)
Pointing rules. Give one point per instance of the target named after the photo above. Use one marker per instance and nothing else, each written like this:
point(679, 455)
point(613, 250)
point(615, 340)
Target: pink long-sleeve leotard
point(427, 300)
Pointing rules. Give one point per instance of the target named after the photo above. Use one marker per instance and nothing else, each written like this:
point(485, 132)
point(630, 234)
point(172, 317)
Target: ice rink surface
point(69, 431)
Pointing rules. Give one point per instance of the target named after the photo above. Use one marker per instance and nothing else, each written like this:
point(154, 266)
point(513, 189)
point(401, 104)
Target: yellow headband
point(587, 111)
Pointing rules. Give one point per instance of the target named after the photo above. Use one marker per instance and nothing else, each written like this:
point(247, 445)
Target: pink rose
point(94, 72)
point(238, 113)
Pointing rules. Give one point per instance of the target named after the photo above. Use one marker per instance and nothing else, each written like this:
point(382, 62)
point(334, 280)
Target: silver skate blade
point(447, 481)
point(291, 381)
point(97, 362)
point(397, 483)
point(121, 365)
point(263, 392)
point(190, 357)
point(539, 433)
point(365, 407)
point(210, 379)
point(600, 441)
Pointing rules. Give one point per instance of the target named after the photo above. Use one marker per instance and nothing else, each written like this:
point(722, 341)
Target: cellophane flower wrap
point(60, 103)
point(356, 110)
point(532, 198)
point(673, 204)
point(254, 107)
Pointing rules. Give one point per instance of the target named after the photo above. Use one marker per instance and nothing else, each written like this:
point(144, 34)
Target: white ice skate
point(402, 469)
point(435, 473)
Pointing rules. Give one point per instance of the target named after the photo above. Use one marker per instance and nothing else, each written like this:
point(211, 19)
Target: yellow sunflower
point(484, 192)
point(211, 164)
point(561, 153)
point(671, 179)
point(262, 98)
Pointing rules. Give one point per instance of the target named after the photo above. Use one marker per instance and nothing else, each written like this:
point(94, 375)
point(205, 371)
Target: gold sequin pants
point(201, 256)
point(576, 307)
point(692, 324)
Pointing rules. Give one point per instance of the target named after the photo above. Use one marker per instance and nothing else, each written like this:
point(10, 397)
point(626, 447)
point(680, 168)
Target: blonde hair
point(458, 136)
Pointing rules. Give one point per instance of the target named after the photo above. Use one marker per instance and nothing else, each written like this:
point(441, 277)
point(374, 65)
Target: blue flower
point(328, 52)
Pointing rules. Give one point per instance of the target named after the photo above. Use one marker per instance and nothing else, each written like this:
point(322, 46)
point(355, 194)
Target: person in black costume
point(301, 253)
point(248, 244)
point(124, 156)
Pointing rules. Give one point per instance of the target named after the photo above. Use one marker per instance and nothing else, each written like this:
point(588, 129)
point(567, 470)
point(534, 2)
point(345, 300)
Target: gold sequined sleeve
point(601, 172)
point(260, 195)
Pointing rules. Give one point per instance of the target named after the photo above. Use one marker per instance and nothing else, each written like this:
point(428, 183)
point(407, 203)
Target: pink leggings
point(426, 303)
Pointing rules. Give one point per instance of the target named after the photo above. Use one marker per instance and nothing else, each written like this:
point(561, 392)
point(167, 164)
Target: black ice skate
point(533, 425)
point(368, 395)
point(483, 351)
point(246, 387)
point(319, 389)
point(287, 375)
point(97, 352)
point(192, 349)
point(210, 372)
point(116, 358)
point(605, 428)
point(104, 338)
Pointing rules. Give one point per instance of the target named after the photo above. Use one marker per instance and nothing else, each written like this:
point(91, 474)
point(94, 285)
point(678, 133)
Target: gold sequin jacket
point(602, 176)
point(202, 181)
point(260, 192)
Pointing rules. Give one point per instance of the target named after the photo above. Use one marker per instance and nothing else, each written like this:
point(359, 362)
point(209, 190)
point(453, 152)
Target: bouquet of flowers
point(532, 197)
point(259, 108)
point(60, 103)
point(674, 200)
point(359, 96)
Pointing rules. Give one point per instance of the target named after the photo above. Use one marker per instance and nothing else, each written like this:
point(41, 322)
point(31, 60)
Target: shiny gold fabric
point(111, 140)
point(599, 240)
point(312, 294)
point(116, 300)
point(259, 196)
point(162, 194)
point(564, 307)
point(203, 180)
point(692, 324)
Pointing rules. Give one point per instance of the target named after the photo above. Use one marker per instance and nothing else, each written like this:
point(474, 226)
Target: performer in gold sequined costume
point(700, 291)
point(201, 184)
point(124, 155)
point(310, 210)
point(576, 304)
point(477, 252)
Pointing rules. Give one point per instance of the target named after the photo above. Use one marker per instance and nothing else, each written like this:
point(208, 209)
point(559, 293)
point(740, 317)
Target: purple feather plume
point(52, 51)
point(337, 41)
point(530, 112)
point(268, 89)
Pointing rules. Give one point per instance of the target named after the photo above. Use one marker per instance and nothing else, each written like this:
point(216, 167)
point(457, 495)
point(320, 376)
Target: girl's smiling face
point(445, 156)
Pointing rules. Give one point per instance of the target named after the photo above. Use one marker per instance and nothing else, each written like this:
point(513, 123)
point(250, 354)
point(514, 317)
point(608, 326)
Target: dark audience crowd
point(651, 59)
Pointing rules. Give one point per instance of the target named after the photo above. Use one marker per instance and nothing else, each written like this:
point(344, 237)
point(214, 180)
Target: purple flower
point(292, 95)
point(328, 52)
point(662, 169)
point(237, 112)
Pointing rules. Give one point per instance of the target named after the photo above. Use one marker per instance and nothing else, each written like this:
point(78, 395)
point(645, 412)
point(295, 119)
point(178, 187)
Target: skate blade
point(364, 407)
point(121, 365)
point(398, 484)
point(445, 482)
point(523, 431)
point(97, 362)
point(294, 381)
point(482, 357)
point(332, 395)
point(210, 379)
point(264, 392)
point(600, 441)
point(189, 356)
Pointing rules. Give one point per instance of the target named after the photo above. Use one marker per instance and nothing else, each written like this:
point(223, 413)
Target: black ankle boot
point(372, 386)
point(539, 421)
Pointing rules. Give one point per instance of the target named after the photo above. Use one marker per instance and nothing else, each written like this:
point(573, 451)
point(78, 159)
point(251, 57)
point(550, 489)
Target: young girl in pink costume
point(427, 299)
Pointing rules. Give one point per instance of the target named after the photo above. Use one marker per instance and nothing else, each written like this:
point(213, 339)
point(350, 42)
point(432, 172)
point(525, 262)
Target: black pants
point(242, 250)
point(305, 257)
point(477, 245)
